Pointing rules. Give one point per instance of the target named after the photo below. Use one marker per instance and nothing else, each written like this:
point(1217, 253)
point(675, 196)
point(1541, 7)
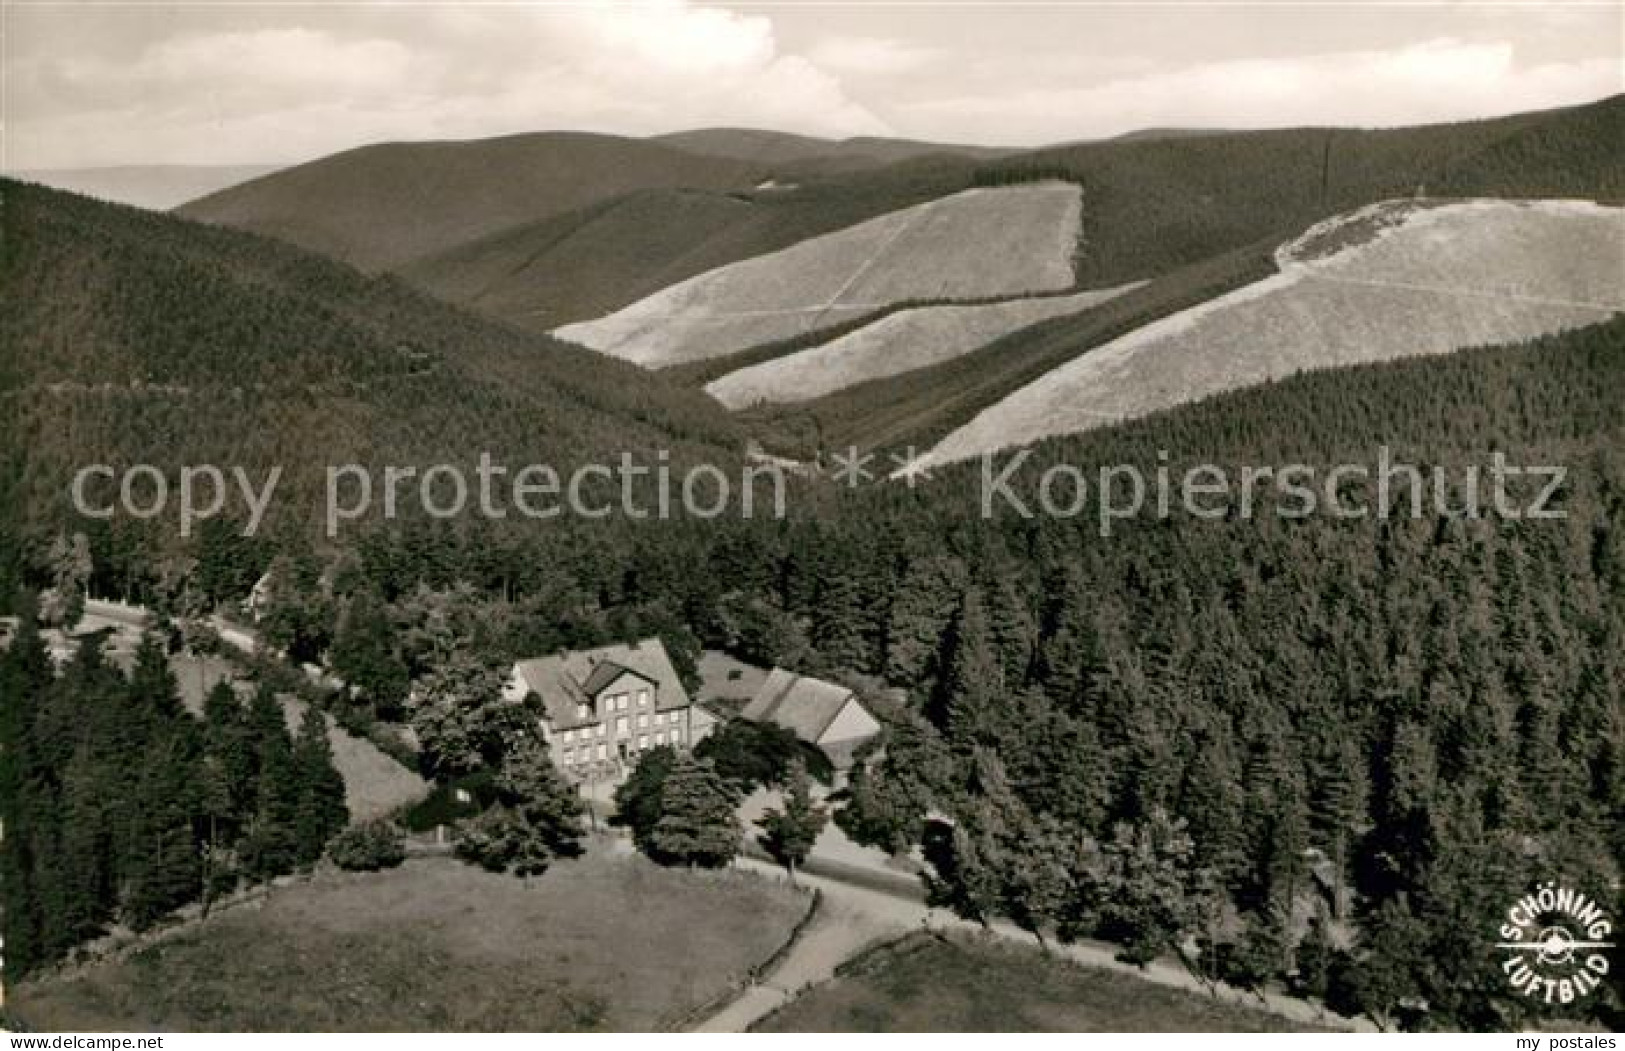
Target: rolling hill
point(1389, 281)
point(1155, 204)
point(804, 154)
point(1198, 217)
point(596, 260)
point(1192, 215)
point(135, 337)
point(979, 243)
point(549, 229)
point(381, 207)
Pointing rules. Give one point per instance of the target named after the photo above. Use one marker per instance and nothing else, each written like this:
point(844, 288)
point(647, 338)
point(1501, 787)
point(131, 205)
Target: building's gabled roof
point(565, 680)
point(805, 706)
point(606, 672)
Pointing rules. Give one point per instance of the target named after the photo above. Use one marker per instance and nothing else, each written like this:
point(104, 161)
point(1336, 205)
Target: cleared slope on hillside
point(979, 243)
point(918, 409)
point(901, 342)
point(380, 207)
point(593, 261)
point(1386, 282)
point(134, 337)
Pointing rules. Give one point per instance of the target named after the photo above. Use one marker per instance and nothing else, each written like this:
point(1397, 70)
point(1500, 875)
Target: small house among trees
point(823, 714)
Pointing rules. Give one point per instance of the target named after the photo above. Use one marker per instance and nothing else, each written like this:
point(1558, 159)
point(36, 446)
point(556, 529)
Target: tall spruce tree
point(789, 831)
point(698, 825)
point(537, 818)
point(319, 810)
point(968, 699)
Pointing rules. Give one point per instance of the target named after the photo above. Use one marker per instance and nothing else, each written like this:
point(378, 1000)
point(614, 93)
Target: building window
point(643, 720)
point(581, 711)
point(601, 751)
point(675, 718)
point(660, 738)
point(603, 728)
point(567, 755)
point(620, 726)
point(643, 741)
point(643, 698)
point(620, 702)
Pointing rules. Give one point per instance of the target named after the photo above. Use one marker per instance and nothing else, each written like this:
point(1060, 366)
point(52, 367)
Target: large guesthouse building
point(602, 707)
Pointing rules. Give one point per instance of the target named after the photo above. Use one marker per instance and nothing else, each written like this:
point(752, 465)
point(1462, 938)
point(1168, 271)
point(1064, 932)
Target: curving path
point(854, 918)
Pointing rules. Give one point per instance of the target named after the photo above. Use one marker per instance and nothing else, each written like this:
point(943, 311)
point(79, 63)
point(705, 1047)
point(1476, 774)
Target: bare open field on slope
point(598, 943)
point(909, 339)
point(375, 785)
point(1438, 279)
point(976, 244)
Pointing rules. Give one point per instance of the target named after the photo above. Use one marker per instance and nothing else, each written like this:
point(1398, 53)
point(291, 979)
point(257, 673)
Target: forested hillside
point(1140, 735)
point(131, 337)
point(120, 806)
point(1432, 702)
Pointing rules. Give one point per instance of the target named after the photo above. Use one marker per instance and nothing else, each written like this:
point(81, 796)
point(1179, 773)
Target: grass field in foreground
point(605, 943)
point(932, 983)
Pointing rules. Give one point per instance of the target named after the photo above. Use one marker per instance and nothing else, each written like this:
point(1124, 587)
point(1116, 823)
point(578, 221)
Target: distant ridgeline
point(541, 231)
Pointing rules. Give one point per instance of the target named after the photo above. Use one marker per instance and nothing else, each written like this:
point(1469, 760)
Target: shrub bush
point(368, 847)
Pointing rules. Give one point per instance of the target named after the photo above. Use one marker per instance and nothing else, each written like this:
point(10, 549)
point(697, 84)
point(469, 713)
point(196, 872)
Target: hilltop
point(806, 154)
point(380, 207)
point(596, 260)
point(550, 229)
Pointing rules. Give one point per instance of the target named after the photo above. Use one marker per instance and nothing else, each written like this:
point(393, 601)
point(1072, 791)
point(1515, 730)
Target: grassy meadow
point(601, 943)
point(933, 983)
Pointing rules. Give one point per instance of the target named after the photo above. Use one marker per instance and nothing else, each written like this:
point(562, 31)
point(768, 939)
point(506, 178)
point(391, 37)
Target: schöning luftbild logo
point(1556, 940)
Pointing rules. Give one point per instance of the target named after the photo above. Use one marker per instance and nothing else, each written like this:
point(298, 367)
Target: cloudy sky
point(237, 83)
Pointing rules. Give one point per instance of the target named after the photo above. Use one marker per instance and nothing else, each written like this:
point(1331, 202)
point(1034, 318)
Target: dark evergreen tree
point(789, 831)
point(537, 818)
point(967, 705)
point(319, 810)
point(697, 824)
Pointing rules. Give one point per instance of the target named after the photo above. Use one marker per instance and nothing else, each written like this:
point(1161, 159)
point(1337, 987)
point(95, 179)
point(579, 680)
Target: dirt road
point(854, 918)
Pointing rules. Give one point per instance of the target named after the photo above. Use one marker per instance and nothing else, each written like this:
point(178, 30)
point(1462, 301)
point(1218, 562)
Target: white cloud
point(1438, 80)
point(281, 91)
point(249, 83)
point(871, 56)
